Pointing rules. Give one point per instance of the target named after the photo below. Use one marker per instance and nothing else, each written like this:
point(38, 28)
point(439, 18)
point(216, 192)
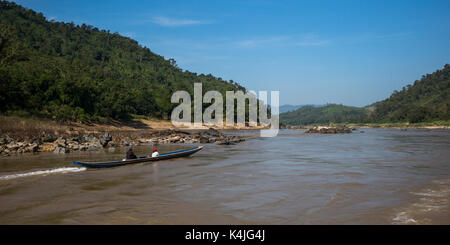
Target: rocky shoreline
point(370, 126)
point(76, 141)
point(330, 130)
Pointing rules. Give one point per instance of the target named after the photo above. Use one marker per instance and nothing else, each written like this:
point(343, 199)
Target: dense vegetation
point(324, 115)
point(286, 108)
point(427, 100)
point(70, 72)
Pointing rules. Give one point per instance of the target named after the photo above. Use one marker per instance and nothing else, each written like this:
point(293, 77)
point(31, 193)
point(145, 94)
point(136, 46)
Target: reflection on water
point(382, 176)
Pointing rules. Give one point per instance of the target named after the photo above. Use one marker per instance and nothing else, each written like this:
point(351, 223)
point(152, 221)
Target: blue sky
point(313, 52)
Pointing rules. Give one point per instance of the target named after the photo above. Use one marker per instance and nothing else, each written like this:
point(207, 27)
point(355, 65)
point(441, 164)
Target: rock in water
point(105, 139)
point(32, 148)
point(60, 142)
point(12, 146)
point(204, 139)
point(94, 145)
point(59, 150)
point(88, 138)
point(3, 141)
point(226, 141)
point(213, 132)
point(329, 130)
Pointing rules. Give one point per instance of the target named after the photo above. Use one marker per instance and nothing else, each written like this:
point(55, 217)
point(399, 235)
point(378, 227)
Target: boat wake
point(43, 172)
point(432, 205)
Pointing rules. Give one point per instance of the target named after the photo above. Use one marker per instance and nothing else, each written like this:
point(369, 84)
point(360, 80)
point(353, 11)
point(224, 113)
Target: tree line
point(426, 100)
point(66, 71)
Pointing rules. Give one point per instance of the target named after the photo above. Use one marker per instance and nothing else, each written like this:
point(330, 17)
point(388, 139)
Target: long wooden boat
point(116, 163)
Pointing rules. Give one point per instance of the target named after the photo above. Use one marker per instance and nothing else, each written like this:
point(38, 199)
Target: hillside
point(428, 99)
point(70, 72)
point(331, 113)
point(286, 108)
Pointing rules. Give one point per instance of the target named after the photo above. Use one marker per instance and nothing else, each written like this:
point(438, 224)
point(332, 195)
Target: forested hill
point(331, 113)
point(71, 72)
point(426, 100)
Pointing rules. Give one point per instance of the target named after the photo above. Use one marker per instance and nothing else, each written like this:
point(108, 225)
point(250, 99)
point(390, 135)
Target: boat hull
point(117, 163)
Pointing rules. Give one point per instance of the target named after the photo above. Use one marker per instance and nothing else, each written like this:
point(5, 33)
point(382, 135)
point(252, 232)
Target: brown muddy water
point(382, 176)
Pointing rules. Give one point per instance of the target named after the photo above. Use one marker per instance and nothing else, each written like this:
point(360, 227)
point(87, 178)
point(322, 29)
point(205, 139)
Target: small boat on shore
point(116, 163)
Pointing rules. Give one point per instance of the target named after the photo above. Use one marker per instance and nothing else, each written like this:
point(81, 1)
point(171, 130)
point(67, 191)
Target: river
point(381, 176)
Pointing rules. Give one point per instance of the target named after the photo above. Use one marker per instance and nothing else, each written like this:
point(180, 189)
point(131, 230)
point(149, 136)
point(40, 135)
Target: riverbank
point(431, 125)
point(30, 135)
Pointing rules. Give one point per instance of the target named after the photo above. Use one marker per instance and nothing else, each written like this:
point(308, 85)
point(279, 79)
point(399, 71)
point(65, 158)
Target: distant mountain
point(428, 99)
point(286, 108)
point(330, 113)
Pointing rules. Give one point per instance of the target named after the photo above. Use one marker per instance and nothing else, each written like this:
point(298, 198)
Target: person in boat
point(130, 154)
point(155, 153)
